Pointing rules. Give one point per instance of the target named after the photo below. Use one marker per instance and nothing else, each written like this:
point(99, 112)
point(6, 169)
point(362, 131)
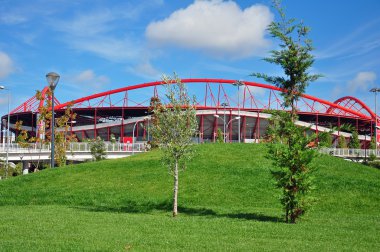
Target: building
point(221, 104)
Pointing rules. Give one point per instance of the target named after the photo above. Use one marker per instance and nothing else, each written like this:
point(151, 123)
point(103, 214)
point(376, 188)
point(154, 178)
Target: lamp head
point(238, 83)
point(52, 79)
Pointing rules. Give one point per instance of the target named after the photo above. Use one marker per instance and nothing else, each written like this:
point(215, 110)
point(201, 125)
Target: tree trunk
point(175, 197)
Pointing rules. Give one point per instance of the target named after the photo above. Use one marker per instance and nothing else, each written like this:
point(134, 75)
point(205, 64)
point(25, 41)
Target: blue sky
point(101, 45)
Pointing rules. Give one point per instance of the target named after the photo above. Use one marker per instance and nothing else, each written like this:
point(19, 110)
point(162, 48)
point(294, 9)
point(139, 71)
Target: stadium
point(236, 108)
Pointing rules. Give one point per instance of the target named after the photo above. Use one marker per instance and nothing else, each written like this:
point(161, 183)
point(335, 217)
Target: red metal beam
point(332, 105)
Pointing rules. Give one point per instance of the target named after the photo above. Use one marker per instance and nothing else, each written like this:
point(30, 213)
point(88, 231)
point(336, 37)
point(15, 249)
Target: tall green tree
point(174, 126)
point(288, 150)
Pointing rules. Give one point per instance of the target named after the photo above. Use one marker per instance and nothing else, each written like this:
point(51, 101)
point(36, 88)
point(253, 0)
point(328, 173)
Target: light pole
point(238, 84)
point(236, 118)
point(133, 134)
point(52, 79)
point(375, 90)
point(8, 142)
point(224, 121)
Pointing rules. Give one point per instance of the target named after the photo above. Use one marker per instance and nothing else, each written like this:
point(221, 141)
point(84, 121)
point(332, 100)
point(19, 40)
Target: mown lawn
point(227, 202)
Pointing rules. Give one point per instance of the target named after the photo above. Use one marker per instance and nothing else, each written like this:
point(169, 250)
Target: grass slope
point(227, 202)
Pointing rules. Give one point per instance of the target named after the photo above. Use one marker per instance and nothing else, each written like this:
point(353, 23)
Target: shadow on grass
point(166, 206)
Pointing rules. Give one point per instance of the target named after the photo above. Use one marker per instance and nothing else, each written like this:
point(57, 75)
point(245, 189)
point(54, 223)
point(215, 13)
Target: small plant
point(98, 149)
point(113, 139)
point(372, 144)
point(372, 157)
point(342, 144)
point(219, 136)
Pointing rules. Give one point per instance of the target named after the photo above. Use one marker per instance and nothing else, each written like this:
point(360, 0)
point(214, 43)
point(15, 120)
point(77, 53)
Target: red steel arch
point(352, 103)
point(110, 112)
point(333, 107)
point(338, 107)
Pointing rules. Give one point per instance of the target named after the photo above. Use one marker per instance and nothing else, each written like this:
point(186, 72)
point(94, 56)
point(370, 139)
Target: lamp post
point(236, 118)
point(133, 134)
point(8, 142)
point(52, 79)
point(375, 90)
point(224, 121)
point(238, 84)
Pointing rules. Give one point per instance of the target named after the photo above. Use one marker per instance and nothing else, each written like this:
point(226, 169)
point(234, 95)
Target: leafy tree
point(174, 125)
point(62, 137)
point(98, 149)
point(22, 138)
point(288, 149)
point(342, 142)
point(354, 141)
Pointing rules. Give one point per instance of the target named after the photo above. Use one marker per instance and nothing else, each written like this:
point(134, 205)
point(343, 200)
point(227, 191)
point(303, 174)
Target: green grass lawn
point(227, 201)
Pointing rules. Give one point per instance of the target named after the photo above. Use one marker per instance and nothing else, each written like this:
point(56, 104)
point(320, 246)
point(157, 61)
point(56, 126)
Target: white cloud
point(358, 42)
point(362, 82)
point(88, 79)
point(6, 65)
point(216, 27)
point(12, 18)
point(146, 70)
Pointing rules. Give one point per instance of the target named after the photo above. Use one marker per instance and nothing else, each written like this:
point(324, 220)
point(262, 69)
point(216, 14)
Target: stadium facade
point(221, 104)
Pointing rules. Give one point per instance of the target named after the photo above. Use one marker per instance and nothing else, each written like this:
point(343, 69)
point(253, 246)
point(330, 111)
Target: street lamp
point(236, 118)
point(238, 84)
point(8, 142)
point(52, 79)
point(375, 90)
point(133, 134)
point(224, 120)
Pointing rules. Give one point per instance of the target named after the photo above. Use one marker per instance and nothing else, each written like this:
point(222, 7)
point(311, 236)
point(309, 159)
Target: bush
point(375, 164)
point(98, 149)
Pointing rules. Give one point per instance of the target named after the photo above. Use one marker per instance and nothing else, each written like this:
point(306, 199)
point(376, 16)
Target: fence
point(74, 147)
point(351, 153)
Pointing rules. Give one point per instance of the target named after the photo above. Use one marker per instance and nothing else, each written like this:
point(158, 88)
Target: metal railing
point(74, 147)
point(350, 153)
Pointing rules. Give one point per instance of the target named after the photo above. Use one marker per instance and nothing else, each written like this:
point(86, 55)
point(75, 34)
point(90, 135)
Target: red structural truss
point(211, 93)
point(116, 112)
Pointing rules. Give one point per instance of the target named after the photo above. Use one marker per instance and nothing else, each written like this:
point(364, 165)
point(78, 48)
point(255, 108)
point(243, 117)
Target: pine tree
point(288, 150)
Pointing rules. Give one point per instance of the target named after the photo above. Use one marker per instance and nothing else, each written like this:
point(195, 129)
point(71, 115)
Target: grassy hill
point(227, 201)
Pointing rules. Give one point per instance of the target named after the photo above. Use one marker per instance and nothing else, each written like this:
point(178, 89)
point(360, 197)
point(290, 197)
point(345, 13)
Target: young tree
point(22, 138)
point(174, 126)
point(61, 132)
point(288, 150)
point(354, 141)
